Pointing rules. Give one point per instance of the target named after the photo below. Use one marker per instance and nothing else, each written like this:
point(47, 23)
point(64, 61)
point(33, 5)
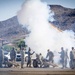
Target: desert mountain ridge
point(64, 20)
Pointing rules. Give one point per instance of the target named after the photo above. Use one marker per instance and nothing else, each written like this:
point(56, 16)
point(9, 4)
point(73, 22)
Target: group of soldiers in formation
point(40, 61)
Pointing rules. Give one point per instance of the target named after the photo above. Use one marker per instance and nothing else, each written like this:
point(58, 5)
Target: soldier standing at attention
point(62, 56)
point(13, 55)
point(1, 57)
point(22, 57)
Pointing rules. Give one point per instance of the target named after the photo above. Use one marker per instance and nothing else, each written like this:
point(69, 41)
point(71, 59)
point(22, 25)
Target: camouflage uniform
point(29, 57)
point(13, 54)
point(1, 57)
point(50, 55)
point(62, 56)
point(22, 57)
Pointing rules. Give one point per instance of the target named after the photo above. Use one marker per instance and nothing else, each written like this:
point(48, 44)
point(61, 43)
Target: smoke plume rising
point(36, 15)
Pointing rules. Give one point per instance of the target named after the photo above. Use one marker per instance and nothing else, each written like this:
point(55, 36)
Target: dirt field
point(36, 71)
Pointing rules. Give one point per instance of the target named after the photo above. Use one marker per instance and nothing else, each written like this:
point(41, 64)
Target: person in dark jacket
point(1, 57)
point(29, 57)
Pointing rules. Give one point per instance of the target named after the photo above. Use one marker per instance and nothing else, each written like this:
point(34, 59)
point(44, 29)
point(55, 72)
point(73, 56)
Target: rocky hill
point(64, 20)
point(10, 29)
point(64, 17)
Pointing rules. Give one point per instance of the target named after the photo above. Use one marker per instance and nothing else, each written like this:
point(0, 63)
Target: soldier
point(62, 56)
point(29, 57)
point(1, 57)
point(73, 52)
point(71, 58)
point(40, 58)
point(22, 57)
point(50, 55)
point(13, 55)
point(66, 57)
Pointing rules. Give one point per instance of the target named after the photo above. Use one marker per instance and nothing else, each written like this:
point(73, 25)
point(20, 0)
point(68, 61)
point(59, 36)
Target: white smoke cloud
point(43, 35)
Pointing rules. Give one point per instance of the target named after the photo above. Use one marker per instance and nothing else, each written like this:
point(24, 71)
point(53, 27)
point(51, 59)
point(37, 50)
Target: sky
point(9, 8)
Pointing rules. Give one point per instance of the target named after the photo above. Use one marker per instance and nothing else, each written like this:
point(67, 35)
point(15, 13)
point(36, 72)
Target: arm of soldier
point(53, 54)
point(47, 55)
point(59, 52)
point(32, 53)
point(26, 52)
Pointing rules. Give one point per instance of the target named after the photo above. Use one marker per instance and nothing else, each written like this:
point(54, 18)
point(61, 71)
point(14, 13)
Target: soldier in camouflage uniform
point(50, 55)
point(1, 57)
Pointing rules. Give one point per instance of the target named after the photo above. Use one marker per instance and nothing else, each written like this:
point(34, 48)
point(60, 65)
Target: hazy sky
point(9, 8)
